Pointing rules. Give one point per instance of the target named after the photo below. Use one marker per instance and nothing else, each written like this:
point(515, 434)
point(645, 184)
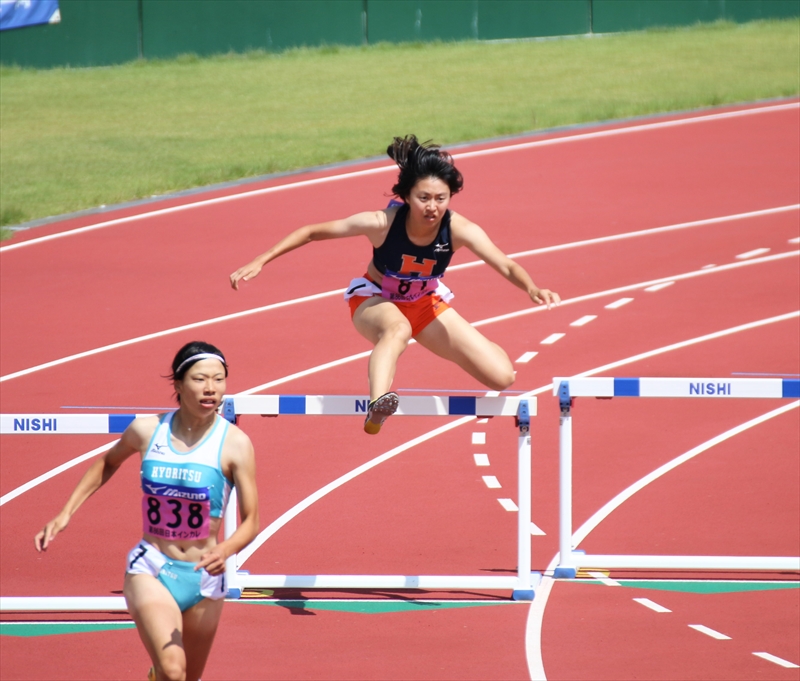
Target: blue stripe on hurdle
point(117, 423)
point(626, 387)
point(791, 387)
point(292, 404)
point(461, 406)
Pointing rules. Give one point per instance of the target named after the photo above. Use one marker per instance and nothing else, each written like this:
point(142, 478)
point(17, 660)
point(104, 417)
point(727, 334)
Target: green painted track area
point(700, 586)
point(364, 606)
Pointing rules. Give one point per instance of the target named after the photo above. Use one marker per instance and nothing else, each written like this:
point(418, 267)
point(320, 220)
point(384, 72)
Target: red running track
point(428, 510)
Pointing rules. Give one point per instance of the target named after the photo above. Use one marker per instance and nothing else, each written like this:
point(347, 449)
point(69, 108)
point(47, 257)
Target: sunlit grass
point(72, 139)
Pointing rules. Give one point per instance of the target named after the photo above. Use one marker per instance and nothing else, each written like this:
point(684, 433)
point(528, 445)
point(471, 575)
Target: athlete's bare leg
point(159, 623)
point(178, 643)
point(452, 337)
point(381, 323)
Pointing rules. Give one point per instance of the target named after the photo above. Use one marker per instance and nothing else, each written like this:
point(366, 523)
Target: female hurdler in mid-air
point(190, 459)
point(401, 296)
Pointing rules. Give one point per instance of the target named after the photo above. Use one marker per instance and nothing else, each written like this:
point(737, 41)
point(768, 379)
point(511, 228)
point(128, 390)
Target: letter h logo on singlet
point(412, 266)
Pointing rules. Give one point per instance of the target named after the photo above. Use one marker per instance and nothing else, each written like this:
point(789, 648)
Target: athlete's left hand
point(213, 561)
point(542, 296)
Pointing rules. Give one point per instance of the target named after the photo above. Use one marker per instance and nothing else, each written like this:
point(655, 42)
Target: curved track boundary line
point(323, 491)
point(533, 632)
point(327, 294)
point(702, 118)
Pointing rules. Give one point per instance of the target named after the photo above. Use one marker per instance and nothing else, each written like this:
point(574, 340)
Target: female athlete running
point(190, 459)
point(401, 296)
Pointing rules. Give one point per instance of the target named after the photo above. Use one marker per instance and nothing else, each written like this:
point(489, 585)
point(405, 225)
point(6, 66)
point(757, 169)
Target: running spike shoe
point(380, 410)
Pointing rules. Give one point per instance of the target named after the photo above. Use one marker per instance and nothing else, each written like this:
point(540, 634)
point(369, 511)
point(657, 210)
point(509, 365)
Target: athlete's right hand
point(245, 273)
point(45, 536)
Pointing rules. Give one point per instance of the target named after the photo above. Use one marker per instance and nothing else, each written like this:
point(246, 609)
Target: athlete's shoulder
point(140, 431)
point(237, 439)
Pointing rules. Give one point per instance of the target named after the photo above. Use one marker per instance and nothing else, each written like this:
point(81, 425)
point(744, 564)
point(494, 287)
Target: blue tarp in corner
point(19, 13)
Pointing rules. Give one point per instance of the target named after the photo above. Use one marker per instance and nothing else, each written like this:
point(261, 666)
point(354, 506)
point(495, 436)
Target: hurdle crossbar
point(522, 409)
point(567, 389)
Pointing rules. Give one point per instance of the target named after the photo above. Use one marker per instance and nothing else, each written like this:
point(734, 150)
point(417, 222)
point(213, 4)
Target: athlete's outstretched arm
point(370, 224)
point(240, 459)
point(466, 233)
point(98, 474)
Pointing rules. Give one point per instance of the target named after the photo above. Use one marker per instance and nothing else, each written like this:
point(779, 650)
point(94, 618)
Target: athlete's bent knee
point(172, 669)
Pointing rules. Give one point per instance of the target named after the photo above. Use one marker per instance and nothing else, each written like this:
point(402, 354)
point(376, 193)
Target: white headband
point(202, 355)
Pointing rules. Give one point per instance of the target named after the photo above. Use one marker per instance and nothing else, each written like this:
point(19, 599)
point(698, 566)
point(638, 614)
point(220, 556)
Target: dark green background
point(105, 32)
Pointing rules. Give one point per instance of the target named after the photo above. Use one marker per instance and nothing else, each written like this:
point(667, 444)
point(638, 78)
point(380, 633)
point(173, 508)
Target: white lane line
point(647, 603)
point(491, 482)
point(526, 357)
point(537, 531)
point(752, 254)
point(317, 296)
point(601, 577)
point(486, 420)
point(13, 494)
point(640, 285)
point(708, 267)
point(709, 632)
point(618, 303)
point(796, 240)
point(658, 287)
point(481, 459)
point(777, 660)
point(382, 169)
point(626, 494)
point(479, 438)
point(508, 504)
point(552, 338)
point(583, 321)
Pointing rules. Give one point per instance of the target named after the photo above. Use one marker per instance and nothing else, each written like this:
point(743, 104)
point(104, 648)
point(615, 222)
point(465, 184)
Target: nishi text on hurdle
point(35, 425)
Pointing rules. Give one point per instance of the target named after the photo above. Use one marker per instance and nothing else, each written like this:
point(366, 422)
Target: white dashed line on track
point(658, 287)
point(508, 504)
point(708, 267)
point(584, 320)
point(777, 660)
point(552, 338)
point(647, 603)
point(600, 577)
point(796, 240)
point(536, 530)
point(479, 438)
point(492, 482)
point(618, 303)
point(481, 459)
point(526, 357)
point(709, 632)
point(752, 254)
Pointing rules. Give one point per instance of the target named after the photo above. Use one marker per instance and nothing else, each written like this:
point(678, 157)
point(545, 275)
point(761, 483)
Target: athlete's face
point(202, 387)
point(428, 200)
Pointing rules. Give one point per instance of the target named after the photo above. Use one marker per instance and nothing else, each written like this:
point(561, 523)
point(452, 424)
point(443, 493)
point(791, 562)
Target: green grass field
point(72, 139)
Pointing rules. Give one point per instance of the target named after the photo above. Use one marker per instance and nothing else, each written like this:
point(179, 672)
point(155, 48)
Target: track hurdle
point(567, 389)
point(521, 585)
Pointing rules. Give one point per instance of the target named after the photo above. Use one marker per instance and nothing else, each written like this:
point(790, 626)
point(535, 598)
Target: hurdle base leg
point(528, 594)
point(566, 568)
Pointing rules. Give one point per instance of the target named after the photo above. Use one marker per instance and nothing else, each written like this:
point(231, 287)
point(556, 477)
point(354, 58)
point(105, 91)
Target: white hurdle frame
point(566, 389)
point(522, 585)
point(522, 409)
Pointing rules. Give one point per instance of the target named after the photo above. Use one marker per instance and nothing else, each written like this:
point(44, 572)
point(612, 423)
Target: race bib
point(176, 512)
point(407, 290)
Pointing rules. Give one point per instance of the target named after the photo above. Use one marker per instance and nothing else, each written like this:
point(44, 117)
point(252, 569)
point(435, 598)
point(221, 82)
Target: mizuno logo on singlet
point(154, 489)
point(412, 266)
point(441, 248)
point(158, 447)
